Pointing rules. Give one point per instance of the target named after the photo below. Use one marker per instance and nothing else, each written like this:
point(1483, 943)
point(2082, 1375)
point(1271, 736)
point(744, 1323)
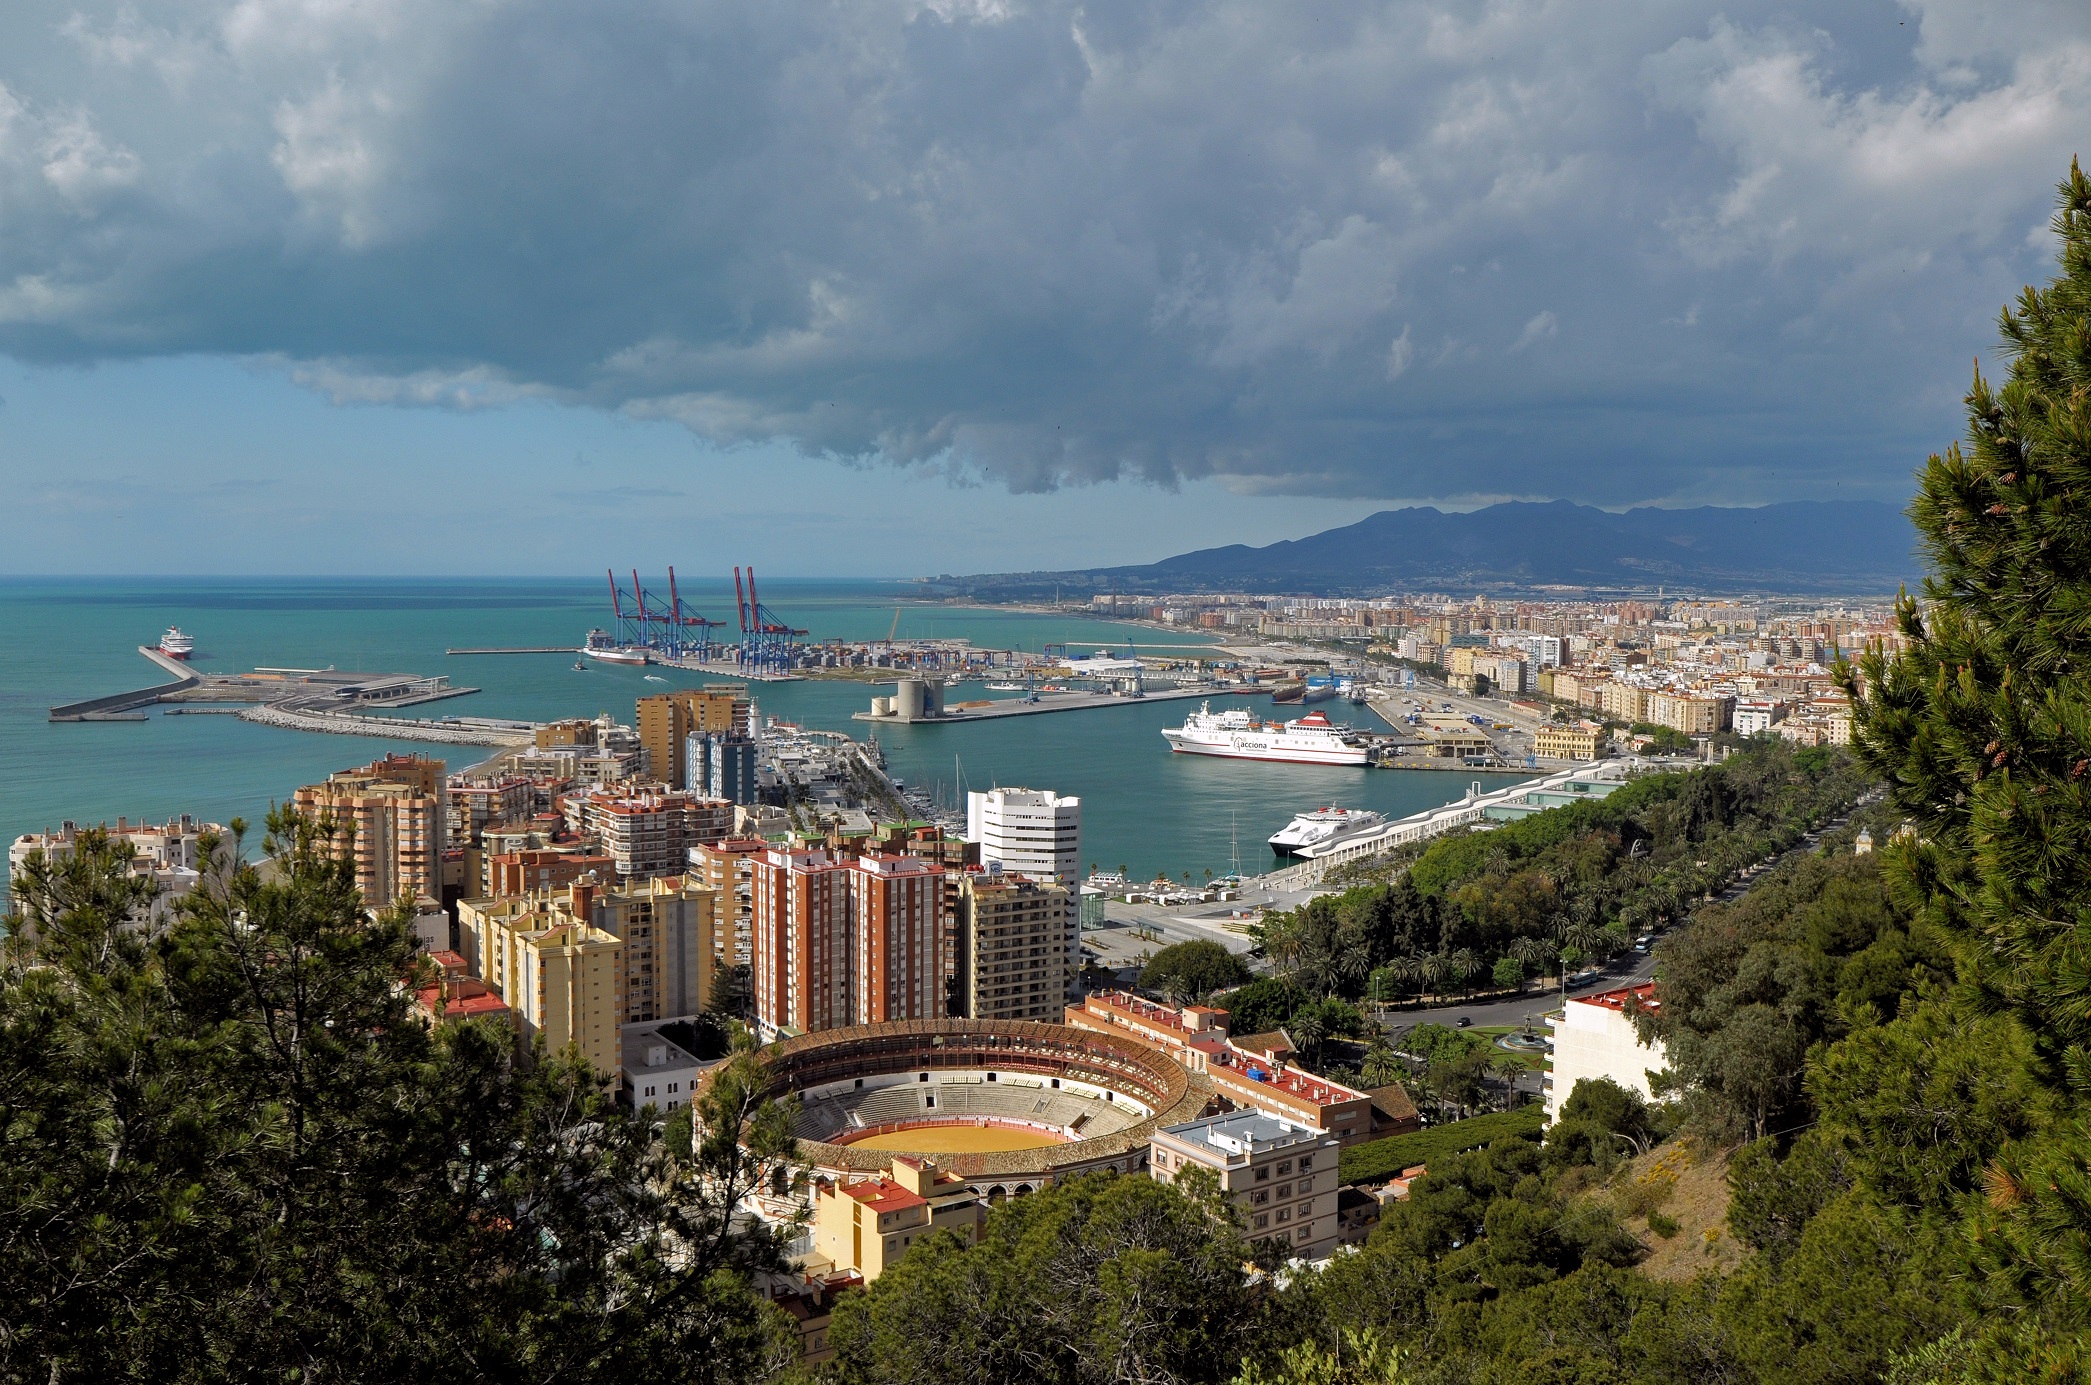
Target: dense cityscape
point(960, 1011)
point(1407, 721)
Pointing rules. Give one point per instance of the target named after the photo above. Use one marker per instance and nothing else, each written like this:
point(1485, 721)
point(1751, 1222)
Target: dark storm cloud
point(1615, 252)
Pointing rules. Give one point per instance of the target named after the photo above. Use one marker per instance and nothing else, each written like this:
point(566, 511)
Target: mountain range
point(1847, 547)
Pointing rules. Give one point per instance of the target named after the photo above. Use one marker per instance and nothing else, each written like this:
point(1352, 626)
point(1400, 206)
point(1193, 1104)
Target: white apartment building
point(167, 852)
point(1035, 833)
point(1754, 716)
point(1283, 1176)
point(657, 1071)
point(1594, 1036)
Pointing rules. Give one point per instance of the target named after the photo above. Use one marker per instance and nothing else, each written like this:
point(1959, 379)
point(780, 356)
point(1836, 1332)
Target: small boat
point(1005, 687)
point(580, 666)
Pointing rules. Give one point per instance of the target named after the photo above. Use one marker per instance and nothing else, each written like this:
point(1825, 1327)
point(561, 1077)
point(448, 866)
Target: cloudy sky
point(883, 287)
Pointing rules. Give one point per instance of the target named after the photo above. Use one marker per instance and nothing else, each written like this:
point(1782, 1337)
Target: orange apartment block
point(842, 941)
point(396, 815)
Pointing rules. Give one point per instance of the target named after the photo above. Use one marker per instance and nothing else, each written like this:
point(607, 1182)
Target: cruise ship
point(1322, 825)
point(176, 645)
point(1312, 740)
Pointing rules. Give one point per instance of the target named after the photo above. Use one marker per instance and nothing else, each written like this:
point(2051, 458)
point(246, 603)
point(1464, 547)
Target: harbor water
point(64, 639)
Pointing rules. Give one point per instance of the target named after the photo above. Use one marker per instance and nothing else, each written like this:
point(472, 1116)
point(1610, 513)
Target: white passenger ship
point(1322, 825)
point(1312, 740)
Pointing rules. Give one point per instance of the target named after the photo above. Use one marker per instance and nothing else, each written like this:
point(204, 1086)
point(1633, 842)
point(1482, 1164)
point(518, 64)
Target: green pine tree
point(1982, 726)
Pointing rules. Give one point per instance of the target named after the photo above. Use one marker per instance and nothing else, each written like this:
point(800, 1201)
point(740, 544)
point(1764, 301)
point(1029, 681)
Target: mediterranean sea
point(63, 639)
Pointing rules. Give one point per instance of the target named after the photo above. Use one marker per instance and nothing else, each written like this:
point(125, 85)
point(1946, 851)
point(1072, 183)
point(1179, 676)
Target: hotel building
point(1035, 833)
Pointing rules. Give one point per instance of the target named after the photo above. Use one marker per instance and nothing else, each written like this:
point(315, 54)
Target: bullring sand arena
point(1007, 1105)
point(956, 1139)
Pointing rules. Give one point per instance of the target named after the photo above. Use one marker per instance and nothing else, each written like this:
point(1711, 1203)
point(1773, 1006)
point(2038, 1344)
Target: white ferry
point(1312, 740)
point(176, 645)
point(1322, 825)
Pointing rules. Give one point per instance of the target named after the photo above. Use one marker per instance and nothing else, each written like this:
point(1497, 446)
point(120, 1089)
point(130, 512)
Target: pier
point(304, 699)
point(1053, 702)
point(122, 706)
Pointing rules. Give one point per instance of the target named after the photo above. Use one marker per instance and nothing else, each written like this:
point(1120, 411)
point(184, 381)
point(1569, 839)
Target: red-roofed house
point(456, 995)
point(868, 1224)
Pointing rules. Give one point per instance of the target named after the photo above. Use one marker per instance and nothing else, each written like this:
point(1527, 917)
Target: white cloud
point(1541, 326)
point(1400, 355)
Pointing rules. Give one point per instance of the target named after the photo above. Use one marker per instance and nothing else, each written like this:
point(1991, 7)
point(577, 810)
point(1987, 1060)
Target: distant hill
point(1818, 546)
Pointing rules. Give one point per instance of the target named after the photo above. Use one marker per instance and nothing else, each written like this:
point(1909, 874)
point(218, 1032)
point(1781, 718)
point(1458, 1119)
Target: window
point(1260, 1197)
point(1284, 1214)
point(1306, 1162)
point(1263, 1175)
point(1262, 1221)
point(1285, 1168)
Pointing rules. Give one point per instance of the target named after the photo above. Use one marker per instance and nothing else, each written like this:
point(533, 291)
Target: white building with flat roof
point(1035, 833)
point(169, 853)
point(1595, 1036)
point(1283, 1176)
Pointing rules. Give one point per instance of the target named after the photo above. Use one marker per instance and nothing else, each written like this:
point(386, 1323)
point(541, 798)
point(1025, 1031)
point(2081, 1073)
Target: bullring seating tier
point(1080, 1116)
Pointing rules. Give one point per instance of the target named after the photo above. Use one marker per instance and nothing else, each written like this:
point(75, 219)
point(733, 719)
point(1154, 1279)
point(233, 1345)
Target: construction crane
point(768, 643)
point(666, 628)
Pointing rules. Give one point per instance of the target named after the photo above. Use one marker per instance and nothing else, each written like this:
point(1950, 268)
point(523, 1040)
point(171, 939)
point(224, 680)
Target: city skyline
point(985, 286)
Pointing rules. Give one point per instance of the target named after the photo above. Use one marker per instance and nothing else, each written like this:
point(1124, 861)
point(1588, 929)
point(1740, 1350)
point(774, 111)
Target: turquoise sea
point(71, 638)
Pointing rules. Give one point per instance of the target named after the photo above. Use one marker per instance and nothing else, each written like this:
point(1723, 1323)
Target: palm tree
point(1307, 1029)
point(1440, 971)
point(1507, 1068)
point(1465, 965)
point(1283, 943)
point(1380, 1067)
point(1533, 952)
point(1412, 970)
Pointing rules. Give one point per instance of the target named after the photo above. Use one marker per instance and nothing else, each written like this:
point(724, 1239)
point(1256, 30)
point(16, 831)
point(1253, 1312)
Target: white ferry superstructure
point(1322, 825)
point(176, 645)
point(1312, 740)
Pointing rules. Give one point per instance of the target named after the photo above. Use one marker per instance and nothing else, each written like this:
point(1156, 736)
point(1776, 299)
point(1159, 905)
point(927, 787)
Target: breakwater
point(444, 731)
